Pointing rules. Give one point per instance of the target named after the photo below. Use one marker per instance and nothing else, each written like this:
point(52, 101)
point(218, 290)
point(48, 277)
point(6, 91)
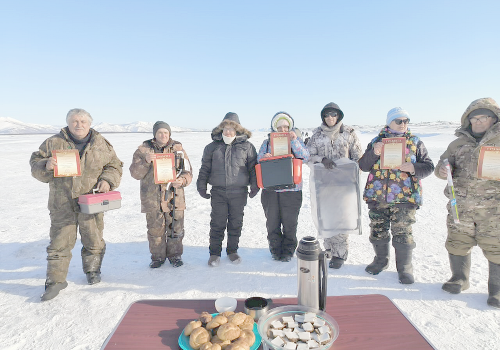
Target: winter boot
point(156, 263)
point(235, 258)
point(403, 262)
point(381, 260)
point(460, 269)
point(176, 261)
point(336, 262)
point(93, 277)
point(214, 261)
point(52, 290)
point(494, 285)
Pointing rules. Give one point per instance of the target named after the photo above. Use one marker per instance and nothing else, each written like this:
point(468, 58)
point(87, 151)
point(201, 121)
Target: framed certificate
point(393, 152)
point(164, 167)
point(280, 144)
point(488, 166)
point(68, 163)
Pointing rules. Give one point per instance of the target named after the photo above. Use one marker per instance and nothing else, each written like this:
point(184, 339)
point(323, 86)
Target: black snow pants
point(227, 211)
point(281, 210)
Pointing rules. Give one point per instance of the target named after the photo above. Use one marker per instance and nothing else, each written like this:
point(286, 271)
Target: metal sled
point(336, 198)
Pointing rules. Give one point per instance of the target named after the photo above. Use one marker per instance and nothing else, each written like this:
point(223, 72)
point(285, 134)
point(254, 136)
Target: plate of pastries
point(227, 330)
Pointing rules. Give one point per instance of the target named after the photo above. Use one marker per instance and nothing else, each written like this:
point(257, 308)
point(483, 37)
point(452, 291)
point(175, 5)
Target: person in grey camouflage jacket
point(477, 198)
point(157, 200)
point(331, 141)
point(100, 169)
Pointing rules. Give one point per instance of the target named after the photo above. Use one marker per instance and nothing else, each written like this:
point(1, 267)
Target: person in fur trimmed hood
point(228, 165)
point(477, 196)
point(282, 207)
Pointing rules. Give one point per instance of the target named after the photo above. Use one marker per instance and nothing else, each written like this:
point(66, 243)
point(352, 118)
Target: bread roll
point(216, 322)
point(191, 326)
point(205, 317)
point(228, 331)
point(246, 336)
point(198, 337)
point(238, 318)
point(210, 346)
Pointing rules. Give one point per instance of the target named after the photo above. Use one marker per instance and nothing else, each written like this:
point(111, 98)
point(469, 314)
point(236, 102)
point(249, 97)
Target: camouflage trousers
point(63, 232)
point(163, 243)
point(478, 226)
point(396, 218)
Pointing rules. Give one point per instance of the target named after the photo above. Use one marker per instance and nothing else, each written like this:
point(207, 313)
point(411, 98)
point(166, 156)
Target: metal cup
point(257, 307)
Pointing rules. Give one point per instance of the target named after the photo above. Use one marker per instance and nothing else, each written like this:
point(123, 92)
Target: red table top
point(365, 322)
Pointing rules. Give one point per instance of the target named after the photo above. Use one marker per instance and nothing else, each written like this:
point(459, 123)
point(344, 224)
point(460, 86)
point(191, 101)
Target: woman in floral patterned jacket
point(394, 195)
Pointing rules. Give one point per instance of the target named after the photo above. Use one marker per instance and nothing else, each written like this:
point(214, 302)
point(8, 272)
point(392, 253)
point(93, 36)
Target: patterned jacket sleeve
point(300, 150)
point(355, 150)
point(263, 150)
point(368, 159)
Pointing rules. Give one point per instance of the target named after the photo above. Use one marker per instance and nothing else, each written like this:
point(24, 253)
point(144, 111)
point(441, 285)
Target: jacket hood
point(332, 106)
point(486, 102)
point(282, 115)
point(241, 132)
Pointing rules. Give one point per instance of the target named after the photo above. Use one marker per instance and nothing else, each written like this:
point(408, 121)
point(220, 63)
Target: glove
point(328, 163)
point(253, 191)
point(204, 194)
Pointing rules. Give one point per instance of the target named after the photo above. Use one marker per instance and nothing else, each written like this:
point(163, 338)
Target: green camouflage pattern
point(477, 199)
point(396, 218)
point(98, 162)
point(153, 195)
point(157, 201)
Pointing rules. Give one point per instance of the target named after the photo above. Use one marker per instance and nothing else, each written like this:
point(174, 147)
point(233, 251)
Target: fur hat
point(280, 118)
point(395, 113)
point(232, 116)
point(161, 125)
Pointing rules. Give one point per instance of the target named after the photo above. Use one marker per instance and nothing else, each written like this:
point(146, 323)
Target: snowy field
point(83, 316)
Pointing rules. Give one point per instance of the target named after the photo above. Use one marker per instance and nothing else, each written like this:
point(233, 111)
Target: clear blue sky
point(190, 62)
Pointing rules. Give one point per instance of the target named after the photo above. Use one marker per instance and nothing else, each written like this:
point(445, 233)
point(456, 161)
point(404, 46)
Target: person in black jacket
point(228, 165)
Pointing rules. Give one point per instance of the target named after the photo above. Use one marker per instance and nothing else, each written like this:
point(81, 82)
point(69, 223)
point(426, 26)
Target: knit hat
point(332, 107)
point(279, 119)
point(395, 113)
point(161, 125)
point(232, 116)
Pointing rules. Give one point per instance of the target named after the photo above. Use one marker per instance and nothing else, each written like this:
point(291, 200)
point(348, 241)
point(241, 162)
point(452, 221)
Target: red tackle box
point(277, 173)
point(99, 202)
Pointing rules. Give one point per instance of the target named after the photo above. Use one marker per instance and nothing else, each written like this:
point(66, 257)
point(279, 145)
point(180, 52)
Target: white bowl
point(225, 304)
point(292, 310)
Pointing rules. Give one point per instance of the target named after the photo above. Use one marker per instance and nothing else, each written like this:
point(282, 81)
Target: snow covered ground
point(82, 316)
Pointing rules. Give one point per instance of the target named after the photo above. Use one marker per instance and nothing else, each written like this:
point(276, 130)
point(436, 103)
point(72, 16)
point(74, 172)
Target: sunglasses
point(401, 121)
point(481, 119)
point(331, 114)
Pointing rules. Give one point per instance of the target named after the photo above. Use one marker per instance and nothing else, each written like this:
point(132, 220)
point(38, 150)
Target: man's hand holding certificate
point(164, 167)
point(66, 163)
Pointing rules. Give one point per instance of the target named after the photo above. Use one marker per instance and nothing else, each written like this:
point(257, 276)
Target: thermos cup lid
point(309, 249)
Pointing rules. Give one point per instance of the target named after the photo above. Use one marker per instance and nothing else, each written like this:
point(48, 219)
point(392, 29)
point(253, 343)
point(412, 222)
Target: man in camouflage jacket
point(331, 141)
point(157, 200)
point(101, 169)
point(477, 199)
